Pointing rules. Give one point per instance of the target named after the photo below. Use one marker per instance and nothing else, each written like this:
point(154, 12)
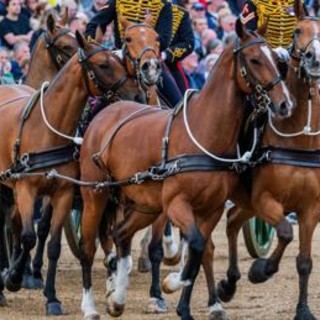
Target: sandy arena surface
point(274, 300)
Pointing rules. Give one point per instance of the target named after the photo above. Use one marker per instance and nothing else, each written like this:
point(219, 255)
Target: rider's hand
point(163, 55)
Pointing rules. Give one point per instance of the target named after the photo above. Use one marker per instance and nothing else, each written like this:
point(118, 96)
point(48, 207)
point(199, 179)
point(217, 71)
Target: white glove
point(163, 55)
point(282, 53)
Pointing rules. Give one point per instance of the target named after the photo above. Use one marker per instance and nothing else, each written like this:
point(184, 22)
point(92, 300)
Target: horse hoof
point(11, 285)
point(171, 283)
point(172, 261)
point(156, 306)
point(304, 313)
point(3, 301)
point(54, 309)
point(216, 312)
point(144, 264)
point(114, 309)
point(38, 283)
point(225, 290)
point(93, 316)
point(257, 271)
point(27, 282)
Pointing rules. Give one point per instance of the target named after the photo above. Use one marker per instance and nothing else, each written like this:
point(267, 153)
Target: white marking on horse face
point(118, 53)
point(267, 51)
point(87, 305)
point(122, 280)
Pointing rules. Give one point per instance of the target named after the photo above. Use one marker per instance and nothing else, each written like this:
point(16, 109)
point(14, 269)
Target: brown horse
point(290, 178)
point(52, 50)
point(93, 71)
point(194, 201)
point(141, 54)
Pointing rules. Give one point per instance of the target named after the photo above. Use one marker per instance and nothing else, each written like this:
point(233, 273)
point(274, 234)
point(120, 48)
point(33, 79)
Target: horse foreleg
point(61, 202)
point(172, 253)
point(93, 208)
point(122, 235)
point(25, 206)
point(42, 233)
point(236, 219)
point(155, 250)
point(144, 264)
point(307, 224)
point(271, 211)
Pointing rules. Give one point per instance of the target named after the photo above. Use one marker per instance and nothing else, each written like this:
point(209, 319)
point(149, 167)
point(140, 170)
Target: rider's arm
point(103, 18)
point(164, 26)
point(249, 17)
point(183, 43)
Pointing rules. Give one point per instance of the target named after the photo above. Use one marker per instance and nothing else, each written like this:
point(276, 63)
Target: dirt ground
point(274, 300)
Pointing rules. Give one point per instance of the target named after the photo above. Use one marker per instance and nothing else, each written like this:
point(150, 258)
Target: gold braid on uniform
point(177, 15)
point(135, 11)
point(280, 25)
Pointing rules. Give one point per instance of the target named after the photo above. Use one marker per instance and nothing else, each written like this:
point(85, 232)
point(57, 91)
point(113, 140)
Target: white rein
point(76, 140)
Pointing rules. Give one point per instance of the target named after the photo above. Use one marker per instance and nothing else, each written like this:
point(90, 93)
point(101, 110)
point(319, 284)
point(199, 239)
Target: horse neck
point(301, 90)
point(215, 115)
point(65, 99)
point(41, 68)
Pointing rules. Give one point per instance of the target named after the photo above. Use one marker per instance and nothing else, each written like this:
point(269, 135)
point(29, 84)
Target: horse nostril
point(145, 66)
point(316, 64)
point(309, 55)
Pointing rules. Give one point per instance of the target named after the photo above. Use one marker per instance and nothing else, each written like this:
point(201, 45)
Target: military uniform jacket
point(281, 21)
point(134, 11)
point(182, 37)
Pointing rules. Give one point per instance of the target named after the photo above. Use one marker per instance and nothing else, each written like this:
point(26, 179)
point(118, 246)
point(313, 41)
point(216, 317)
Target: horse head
point(142, 51)
point(258, 75)
point(306, 42)
point(104, 73)
point(59, 41)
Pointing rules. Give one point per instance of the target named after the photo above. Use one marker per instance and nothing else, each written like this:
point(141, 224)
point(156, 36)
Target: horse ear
point(298, 9)
point(263, 28)
point(65, 18)
point(99, 35)
point(81, 40)
point(240, 29)
point(51, 24)
point(124, 22)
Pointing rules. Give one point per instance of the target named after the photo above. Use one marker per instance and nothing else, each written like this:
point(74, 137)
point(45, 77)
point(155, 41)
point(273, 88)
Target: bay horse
point(51, 52)
point(124, 150)
point(52, 120)
point(141, 55)
point(289, 179)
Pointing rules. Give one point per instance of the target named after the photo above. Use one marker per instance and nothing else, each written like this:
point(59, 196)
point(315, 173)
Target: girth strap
point(292, 157)
point(32, 161)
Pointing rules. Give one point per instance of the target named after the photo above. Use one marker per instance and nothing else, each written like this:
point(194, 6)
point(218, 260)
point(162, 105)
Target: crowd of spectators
point(213, 22)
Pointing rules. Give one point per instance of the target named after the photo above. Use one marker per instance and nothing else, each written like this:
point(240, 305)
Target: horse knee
point(196, 240)
point(54, 249)
point(304, 265)
point(284, 231)
point(28, 240)
point(155, 251)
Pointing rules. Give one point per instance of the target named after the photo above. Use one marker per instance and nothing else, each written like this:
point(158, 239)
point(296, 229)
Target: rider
point(135, 11)
point(181, 45)
point(281, 22)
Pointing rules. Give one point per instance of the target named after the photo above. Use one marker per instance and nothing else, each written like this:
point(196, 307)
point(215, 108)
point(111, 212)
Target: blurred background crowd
point(213, 23)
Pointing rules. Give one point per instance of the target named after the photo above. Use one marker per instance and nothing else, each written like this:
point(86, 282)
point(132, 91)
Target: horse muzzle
point(151, 71)
point(312, 65)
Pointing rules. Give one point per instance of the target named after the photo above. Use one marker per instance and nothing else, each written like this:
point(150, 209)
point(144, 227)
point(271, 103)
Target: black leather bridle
point(58, 55)
point(108, 92)
point(258, 91)
point(136, 62)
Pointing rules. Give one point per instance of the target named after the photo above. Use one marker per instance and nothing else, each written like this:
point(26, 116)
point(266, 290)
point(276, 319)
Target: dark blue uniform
point(181, 45)
point(134, 11)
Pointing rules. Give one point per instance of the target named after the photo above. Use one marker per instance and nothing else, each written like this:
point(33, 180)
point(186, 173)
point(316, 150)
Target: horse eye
point(297, 31)
point(158, 39)
point(128, 39)
point(255, 61)
point(103, 66)
point(66, 48)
